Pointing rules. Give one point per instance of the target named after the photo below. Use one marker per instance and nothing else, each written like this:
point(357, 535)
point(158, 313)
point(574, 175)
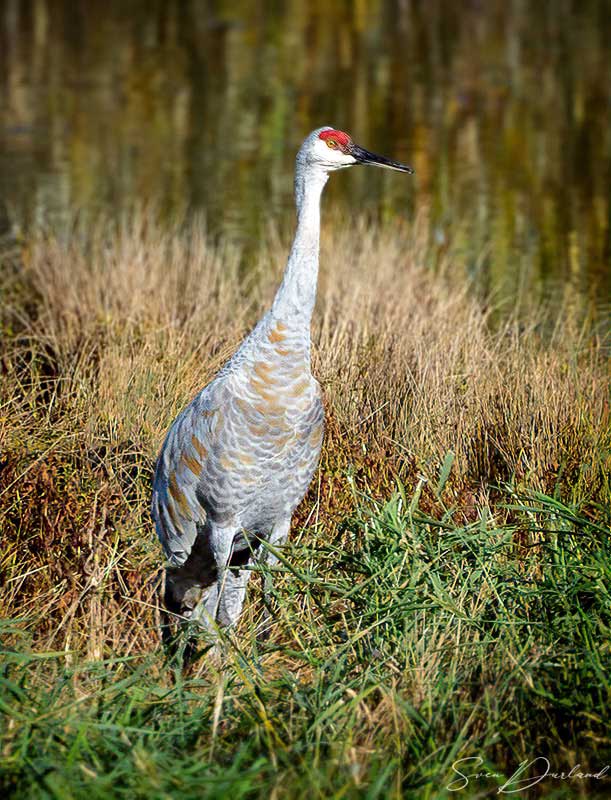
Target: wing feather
point(182, 463)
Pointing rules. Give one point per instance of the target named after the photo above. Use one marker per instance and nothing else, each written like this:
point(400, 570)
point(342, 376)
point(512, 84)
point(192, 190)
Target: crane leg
point(205, 611)
point(231, 599)
point(231, 582)
point(277, 538)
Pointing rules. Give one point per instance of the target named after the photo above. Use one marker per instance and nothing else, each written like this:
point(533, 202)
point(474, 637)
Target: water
point(503, 107)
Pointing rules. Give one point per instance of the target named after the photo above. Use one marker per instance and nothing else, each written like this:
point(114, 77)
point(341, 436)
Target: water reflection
point(503, 107)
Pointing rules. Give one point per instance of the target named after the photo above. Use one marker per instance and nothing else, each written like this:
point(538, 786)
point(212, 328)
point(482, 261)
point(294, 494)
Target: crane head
point(334, 149)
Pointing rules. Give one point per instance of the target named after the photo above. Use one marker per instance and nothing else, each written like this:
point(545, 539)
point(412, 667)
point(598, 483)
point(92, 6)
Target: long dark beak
point(365, 157)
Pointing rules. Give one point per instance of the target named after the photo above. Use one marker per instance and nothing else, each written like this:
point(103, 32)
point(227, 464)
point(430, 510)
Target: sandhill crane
point(239, 458)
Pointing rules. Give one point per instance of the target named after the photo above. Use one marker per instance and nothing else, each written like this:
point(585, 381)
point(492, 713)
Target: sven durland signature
point(527, 774)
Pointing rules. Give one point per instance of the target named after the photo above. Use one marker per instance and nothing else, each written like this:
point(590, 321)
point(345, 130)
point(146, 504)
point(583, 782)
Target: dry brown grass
point(108, 333)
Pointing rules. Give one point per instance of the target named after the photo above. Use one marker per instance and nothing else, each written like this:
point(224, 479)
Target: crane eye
point(332, 144)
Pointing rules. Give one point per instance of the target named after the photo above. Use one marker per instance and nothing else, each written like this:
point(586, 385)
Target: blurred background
point(502, 106)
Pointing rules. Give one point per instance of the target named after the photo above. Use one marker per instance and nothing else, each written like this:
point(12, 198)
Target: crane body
point(240, 457)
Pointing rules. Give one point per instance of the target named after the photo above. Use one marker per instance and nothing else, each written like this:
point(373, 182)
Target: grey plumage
point(238, 460)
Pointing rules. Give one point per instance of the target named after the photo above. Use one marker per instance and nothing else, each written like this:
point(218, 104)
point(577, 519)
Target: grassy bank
point(402, 645)
point(446, 591)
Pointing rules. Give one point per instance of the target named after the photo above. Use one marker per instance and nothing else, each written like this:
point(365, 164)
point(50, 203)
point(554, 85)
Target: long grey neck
point(296, 296)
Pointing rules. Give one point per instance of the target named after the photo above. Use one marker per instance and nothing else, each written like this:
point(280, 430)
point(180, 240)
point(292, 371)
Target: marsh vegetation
point(446, 590)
